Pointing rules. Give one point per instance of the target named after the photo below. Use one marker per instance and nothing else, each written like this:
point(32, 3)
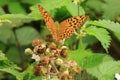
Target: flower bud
point(28, 51)
point(36, 42)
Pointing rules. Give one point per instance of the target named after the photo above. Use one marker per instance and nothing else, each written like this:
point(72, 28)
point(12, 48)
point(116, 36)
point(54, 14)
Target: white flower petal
point(36, 57)
point(117, 76)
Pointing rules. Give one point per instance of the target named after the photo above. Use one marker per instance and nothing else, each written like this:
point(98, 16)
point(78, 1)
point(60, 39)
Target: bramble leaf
point(101, 34)
point(47, 4)
point(26, 35)
point(79, 55)
point(95, 60)
point(5, 34)
point(110, 25)
point(73, 9)
point(7, 66)
point(16, 8)
point(106, 70)
point(111, 9)
point(15, 20)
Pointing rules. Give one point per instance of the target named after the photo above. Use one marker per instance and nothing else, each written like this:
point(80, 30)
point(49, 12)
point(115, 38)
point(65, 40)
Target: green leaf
point(46, 4)
point(13, 71)
point(15, 20)
point(2, 11)
point(55, 4)
point(30, 1)
point(108, 8)
point(13, 54)
point(16, 7)
point(26, 35)
point(3, 2)
point(29, 71)
point(73, 9)
point(106, 70)
point(101, 34)
point(111, 9)
point(5, 34)
point(117, 35)
point(95, 60)
point(95, 5)
point(2, 56)
point(4, 62)
point(88, 40)
point(44, 32)
point(2, 47)
point(110, 25)
point(35, 14)
point(7, 66)
point(79, 55)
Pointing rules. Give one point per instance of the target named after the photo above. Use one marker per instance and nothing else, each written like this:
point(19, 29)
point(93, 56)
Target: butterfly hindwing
point(69, 25)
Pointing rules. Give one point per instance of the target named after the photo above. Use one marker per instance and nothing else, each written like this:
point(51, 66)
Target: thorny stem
point(53, 66)
point(18, 46)
point(48, 71)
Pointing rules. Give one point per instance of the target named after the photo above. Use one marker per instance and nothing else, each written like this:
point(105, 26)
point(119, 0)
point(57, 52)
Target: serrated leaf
point(110, 25)
point(101, 34)
point(17, 74)
point(15, 20)
point(79, 55)
point(111, 9)
point(95, 60)
point(26, 35)
point(106, 70)
point(16, 7)
point(7, 66)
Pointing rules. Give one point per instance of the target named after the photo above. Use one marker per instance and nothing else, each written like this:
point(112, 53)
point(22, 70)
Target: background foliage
point(97, 52)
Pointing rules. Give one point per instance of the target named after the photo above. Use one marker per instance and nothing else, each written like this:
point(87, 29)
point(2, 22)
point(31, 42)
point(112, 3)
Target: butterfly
point(65, 28)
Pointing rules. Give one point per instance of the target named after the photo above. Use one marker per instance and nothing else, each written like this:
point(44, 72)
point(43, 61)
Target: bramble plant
point(88, 52)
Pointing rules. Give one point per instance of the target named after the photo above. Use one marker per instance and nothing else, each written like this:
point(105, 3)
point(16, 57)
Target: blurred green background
point(21, 23)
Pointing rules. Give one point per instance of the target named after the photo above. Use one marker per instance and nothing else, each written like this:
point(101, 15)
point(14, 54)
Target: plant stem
point(80, 42)
point(78, 8)
point(19, 47)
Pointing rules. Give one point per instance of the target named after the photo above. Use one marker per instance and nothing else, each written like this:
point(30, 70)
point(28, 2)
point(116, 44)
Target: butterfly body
point(65, 29)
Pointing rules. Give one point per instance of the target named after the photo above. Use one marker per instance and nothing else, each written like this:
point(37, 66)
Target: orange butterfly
point(66, 28)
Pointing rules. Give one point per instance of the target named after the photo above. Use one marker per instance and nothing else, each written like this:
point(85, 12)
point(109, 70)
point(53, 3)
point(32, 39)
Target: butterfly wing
point(68, 26)
point(49, 21)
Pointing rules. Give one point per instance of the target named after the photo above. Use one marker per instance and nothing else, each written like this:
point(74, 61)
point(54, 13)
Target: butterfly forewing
point(49, 21)
point(68, 26)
